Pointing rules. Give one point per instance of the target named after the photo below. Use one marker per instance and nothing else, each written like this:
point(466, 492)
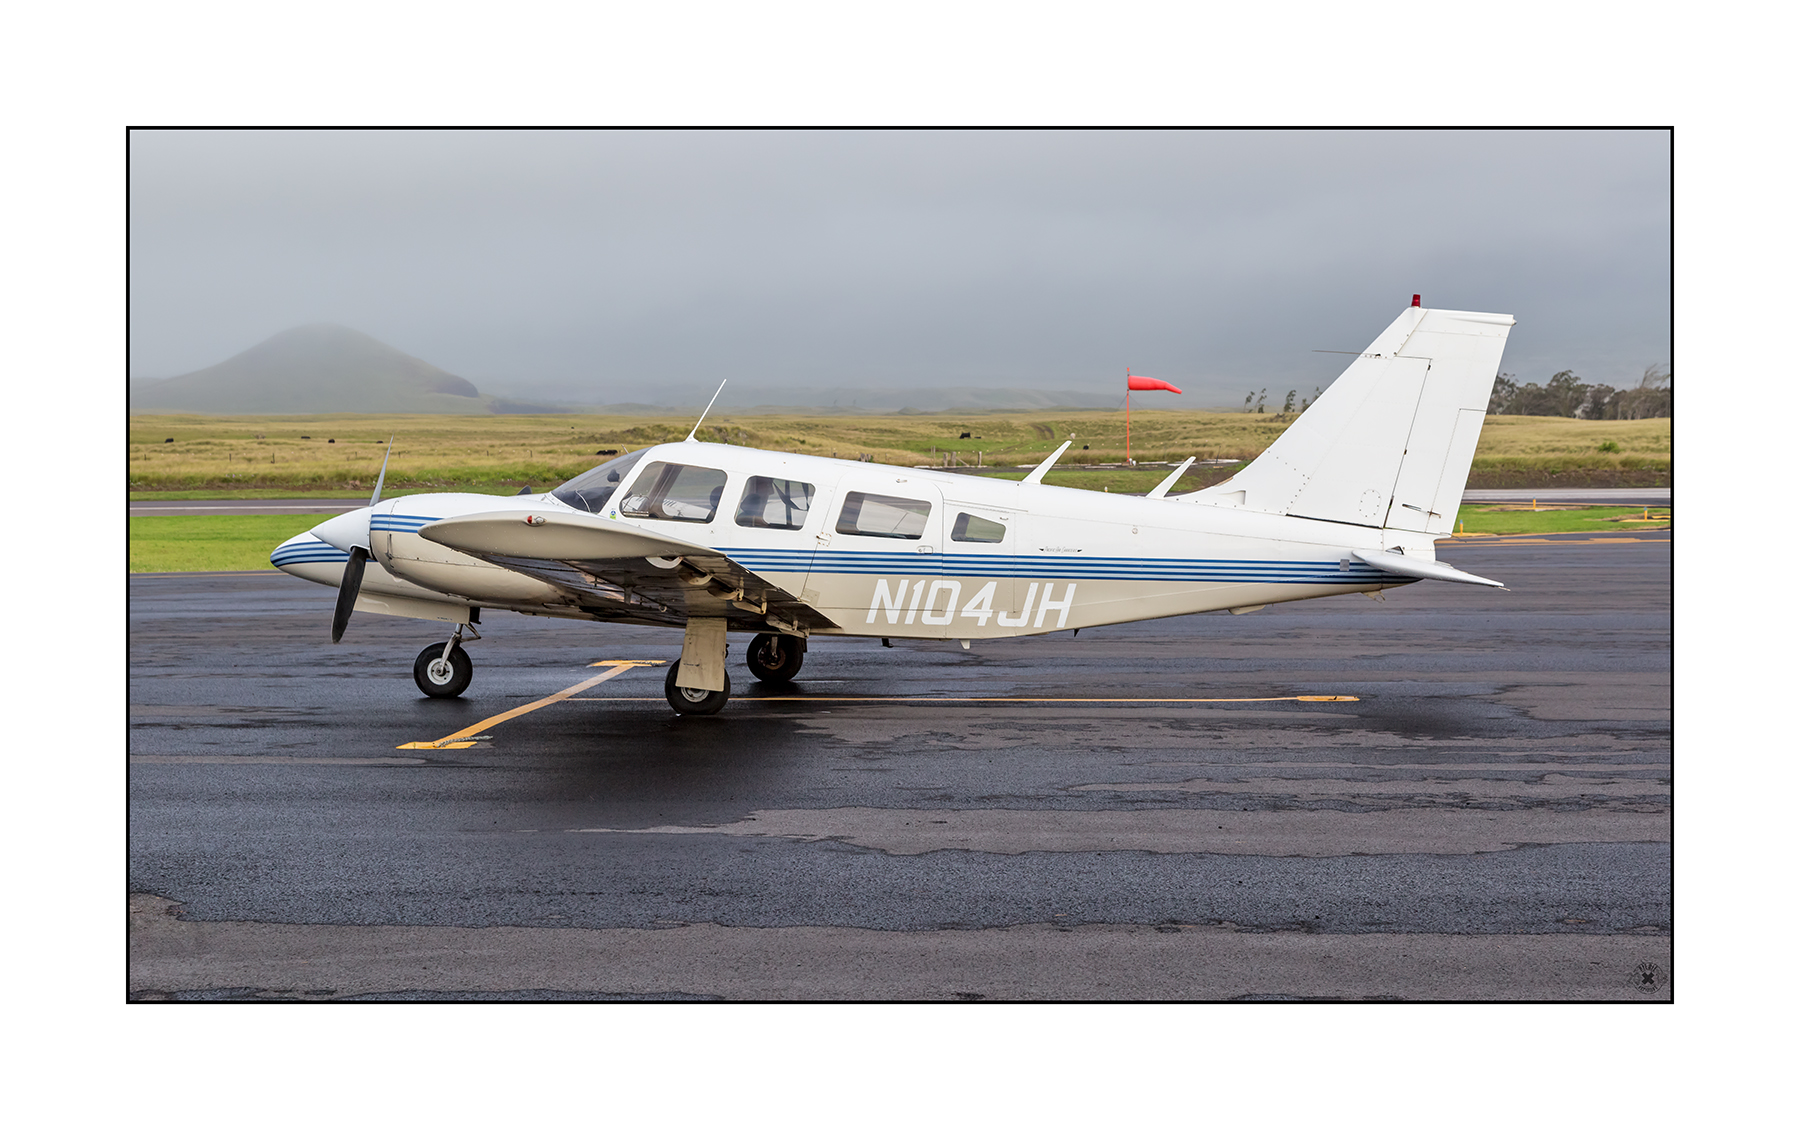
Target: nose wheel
point(688, 700)
point(775, 658)
point(442, 674)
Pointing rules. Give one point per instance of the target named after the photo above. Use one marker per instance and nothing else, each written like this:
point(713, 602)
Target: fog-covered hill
point(328, 368)
point(311, 369)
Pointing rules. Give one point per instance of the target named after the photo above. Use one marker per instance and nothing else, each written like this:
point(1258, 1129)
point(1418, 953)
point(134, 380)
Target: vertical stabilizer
point(1389, 444)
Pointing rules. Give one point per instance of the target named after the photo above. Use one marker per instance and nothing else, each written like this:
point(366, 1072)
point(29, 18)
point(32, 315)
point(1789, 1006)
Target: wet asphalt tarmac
point(1483, 812)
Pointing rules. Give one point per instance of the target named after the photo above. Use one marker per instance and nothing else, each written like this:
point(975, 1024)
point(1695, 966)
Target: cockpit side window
point(883, 516)
point(774, 504)
point(970, 528)
point(675, 492)
point(591, 490)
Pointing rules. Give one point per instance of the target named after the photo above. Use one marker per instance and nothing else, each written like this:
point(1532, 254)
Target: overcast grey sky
point(602, 265)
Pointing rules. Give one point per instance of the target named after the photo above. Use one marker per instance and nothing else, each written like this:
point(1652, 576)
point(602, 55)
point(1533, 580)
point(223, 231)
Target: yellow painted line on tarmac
point(616, 667)
point(906, 698)
point(1537, 539)
point(246, 759)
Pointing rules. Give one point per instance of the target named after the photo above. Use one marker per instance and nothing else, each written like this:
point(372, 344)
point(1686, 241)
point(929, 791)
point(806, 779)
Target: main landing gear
point(444, 670)
point(772, 658)
point(775, 658)
point(691, 700)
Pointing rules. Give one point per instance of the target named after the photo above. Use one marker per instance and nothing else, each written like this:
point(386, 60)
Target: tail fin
point(1389, 444)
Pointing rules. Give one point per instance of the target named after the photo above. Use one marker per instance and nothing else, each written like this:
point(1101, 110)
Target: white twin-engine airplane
point(716, 538)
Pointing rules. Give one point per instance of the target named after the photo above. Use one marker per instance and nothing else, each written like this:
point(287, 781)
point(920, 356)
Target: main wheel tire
point(775, 658)
point(441, 678)
point(687, 700)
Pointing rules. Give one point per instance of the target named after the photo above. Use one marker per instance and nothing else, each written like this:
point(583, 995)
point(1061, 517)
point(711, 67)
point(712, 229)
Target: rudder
point(1390, 443)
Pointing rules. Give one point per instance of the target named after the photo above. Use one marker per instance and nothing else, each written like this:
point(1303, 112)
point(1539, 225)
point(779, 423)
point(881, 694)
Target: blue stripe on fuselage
point(844, 562)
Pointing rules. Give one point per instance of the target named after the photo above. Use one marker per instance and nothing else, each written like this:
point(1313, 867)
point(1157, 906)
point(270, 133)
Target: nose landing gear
point(445, 671)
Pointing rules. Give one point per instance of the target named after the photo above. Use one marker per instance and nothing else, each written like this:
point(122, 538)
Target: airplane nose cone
point(306, 556)
point(346, 531)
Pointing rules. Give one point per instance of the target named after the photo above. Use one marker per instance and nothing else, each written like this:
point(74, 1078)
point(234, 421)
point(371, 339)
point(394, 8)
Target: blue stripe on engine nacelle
point(399, 523)
point(304, 554)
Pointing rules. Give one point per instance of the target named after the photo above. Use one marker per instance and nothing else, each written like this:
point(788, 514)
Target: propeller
point(359, 554)
point(347, 590)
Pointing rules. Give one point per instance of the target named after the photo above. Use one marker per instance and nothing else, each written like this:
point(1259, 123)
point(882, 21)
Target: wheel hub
point(440, 671)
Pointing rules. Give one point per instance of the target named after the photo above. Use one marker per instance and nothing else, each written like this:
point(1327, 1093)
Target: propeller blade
point(346, 601)
point(379, 479)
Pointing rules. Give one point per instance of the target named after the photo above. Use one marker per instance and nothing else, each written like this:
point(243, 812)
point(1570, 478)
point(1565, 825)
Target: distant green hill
point(314, 369)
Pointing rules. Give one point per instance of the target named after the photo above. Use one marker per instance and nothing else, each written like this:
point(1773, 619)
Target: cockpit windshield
point(591, 490)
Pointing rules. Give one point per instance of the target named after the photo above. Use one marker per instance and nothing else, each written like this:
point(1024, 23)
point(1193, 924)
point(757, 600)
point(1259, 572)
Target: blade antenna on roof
point(702, 419)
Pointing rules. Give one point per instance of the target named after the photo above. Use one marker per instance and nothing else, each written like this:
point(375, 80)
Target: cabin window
point(591, 490)
point(970, 528)
point(675, 492)
point(774, 504)
point(883, 516)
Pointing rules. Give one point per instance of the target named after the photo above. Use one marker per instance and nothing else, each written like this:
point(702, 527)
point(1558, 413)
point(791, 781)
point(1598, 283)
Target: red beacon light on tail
point(1415, 300)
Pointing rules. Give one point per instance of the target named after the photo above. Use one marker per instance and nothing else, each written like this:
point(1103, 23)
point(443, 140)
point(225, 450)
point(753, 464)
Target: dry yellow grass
point(501, 452)
point(1559, 435)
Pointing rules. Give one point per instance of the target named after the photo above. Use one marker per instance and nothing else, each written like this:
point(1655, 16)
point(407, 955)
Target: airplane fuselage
point(886, 551)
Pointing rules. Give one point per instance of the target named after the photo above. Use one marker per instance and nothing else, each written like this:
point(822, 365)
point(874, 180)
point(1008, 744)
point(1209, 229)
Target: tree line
point(1566, 395)
point(1563, 395)
point(1259, 402)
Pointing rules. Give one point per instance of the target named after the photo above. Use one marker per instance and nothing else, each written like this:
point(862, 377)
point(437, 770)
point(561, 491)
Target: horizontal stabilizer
point(1419, 567)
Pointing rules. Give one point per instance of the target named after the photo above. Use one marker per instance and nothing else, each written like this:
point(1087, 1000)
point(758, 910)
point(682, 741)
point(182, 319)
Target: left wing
point(619, 571)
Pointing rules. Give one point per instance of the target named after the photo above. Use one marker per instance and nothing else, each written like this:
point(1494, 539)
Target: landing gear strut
point(691, 700)
point(444, 670)
point(775, 658)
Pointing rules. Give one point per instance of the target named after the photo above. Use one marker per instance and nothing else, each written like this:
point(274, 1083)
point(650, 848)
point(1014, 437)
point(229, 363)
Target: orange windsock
point(1149, 384)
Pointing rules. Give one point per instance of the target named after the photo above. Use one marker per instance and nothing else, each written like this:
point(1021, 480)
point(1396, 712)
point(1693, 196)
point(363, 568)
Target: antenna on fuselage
point(702, 419)
point(382, 478)
point(1161, 490)
point(1037, 475)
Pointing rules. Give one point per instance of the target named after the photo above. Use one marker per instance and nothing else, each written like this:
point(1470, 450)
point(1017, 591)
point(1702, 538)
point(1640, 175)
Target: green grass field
point(1122, 480)
point(252, 456)
point(1587, 519)
point(208, 542)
